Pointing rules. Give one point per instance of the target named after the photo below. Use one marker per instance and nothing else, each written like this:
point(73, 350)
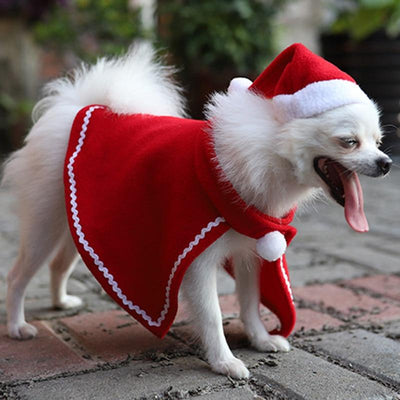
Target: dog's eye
point(348, 143)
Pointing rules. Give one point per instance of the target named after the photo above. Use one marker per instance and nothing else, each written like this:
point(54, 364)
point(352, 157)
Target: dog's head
point(331, 149)
point(323, 127)
point(330, 128)
point(274, 164)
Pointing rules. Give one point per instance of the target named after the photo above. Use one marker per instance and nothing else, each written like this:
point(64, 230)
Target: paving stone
point(39, 287)
point(388, 245)
point(235, 335)
point(129, 382)
point(231, 394)
point(298, 257)
point(314, 234)
point(391, 313)
point(306, 320)
point(3, 288)
point(309, 319)
point(325, 273)
point(229, 305)
point(300, 375)
point(82, 274)
point(377, 260)
point(42, 309)
point(185, 333)
point(233, 330)
point(183, 313)
point(8, 253)
point(114, 335)
point(43, 356)
point(380, 196)
point(392, 330)
point(386, 285)
point(96, 302)
point(346, 301)
point(364, 351)
point(226, 284)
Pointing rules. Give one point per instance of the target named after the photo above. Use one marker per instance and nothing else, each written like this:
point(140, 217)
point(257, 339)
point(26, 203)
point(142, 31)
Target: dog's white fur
point(269, 164)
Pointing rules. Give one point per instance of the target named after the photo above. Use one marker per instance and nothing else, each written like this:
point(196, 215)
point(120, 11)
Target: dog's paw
point(232, 367)
point(68, 302)
point(22, 332)
point(271, 343)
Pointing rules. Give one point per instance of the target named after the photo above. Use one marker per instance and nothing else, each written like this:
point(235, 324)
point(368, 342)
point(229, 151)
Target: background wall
point(209, 41)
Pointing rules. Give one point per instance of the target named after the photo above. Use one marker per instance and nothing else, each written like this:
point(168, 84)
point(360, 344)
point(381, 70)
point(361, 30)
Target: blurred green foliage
point(16, 109)
point(14, 120)
point(215, 34)
point(206, 36)
point(91, 28)
point(361, 18)
point(220, 35)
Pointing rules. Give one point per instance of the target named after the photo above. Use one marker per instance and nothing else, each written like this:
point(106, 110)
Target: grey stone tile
point(231, 394)
point(392, 331)
point(130, 382)
point(325, 273)
point(226, 284)
point(365, 351)
point(299, 258)
point(300, 375)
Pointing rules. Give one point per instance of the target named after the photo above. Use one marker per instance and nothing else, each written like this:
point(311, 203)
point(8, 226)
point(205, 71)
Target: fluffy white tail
point(134, 83)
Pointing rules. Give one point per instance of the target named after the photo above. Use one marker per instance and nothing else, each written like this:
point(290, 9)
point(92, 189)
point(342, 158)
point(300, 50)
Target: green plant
point(14, 121)
point(15, 109)
point(361, 18)
point(91, 27)
point(220, 35)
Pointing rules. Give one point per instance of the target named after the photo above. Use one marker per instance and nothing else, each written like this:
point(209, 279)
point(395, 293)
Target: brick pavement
point(346, 343)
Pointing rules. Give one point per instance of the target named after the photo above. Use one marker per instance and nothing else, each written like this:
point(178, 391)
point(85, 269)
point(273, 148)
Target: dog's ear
point(239, 85)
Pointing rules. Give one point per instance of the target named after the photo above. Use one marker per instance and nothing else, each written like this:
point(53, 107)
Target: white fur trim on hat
point(239, 84)
point(316, 98)
point(271, 246)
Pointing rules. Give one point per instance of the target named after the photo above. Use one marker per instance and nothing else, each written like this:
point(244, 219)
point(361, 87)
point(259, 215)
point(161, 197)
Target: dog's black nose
point(384, 165)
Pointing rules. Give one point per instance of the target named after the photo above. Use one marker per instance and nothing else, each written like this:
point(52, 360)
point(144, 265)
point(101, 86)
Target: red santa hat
point(302, 84)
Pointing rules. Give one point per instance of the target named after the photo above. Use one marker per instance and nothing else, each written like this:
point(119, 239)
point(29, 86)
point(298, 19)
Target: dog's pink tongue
point(354, 203)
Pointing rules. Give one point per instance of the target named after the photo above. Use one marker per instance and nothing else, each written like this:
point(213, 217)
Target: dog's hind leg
point(17, 280)
point(61, 268)
point(41, 231)
point(34, 252)
point(200, 291)
point(247, 286)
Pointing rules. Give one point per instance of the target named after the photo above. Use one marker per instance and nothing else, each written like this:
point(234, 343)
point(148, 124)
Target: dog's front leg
point(247, 286)
point(200, 291)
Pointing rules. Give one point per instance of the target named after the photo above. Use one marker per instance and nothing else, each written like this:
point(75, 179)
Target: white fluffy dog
point(274, 165)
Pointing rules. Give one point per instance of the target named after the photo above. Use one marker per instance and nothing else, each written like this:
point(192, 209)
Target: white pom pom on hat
point(271, 246)
point(239, 84)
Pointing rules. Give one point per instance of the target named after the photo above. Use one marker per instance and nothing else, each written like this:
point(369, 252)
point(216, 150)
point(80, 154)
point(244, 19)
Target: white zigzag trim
point(286, 278)
point(100, 265)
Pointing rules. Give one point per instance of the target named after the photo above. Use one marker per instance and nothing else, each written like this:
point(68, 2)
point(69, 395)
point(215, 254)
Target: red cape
point(144, 199)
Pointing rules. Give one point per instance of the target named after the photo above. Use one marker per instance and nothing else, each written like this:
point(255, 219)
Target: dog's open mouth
point(346, 189)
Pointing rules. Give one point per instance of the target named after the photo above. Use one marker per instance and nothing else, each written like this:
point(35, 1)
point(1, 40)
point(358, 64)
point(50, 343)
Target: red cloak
point(144, 198)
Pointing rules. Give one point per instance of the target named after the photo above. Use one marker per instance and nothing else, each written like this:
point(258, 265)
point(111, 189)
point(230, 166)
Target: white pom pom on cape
point(271, 246)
